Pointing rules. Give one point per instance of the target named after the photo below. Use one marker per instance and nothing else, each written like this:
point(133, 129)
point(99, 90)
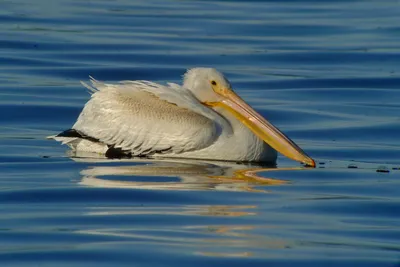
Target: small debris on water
point(322, 163)
point(352, 166)
point(382, 169)
point(396, 168)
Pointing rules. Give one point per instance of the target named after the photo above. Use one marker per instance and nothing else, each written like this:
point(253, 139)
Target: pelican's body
point(141, 118)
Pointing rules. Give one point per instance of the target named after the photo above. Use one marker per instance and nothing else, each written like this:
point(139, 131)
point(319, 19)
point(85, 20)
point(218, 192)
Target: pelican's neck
point(242, 141)
point(239, 130)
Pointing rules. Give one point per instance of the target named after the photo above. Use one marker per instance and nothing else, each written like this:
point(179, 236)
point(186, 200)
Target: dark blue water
point(325, 72)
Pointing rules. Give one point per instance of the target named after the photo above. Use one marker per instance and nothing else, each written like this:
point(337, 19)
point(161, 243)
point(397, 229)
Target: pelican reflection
point(223, 230)
point(177, 175)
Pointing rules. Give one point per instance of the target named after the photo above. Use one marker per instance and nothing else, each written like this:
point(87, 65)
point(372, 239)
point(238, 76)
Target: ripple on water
point(325, 72)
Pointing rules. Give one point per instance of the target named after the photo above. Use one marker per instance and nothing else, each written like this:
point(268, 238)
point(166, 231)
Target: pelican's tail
point(77, 141)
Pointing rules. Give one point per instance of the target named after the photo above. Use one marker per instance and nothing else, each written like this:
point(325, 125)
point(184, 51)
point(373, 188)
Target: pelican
point(202, 119)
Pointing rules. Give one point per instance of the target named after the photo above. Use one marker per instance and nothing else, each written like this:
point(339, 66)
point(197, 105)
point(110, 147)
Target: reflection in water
point(201, 239)
point(256, 228)
point(217, 240)
point(226, 211)
point(178, 175)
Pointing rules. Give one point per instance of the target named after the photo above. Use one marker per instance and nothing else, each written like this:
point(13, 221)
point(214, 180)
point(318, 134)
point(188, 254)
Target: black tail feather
point(74, 133)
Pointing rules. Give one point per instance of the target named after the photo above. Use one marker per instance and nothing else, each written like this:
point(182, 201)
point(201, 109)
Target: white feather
point(123, 115)
point(145, 118)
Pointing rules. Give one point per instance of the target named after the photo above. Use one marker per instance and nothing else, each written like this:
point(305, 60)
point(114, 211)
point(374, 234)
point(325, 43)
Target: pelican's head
point(202, 82)
point(214, 90)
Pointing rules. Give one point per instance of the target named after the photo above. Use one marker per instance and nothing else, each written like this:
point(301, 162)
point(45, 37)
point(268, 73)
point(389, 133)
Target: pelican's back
point(142, 118)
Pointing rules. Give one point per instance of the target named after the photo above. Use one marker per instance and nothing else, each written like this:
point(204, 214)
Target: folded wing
point(144, 118)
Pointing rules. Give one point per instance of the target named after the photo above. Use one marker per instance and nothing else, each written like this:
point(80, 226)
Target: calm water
point(325, 72)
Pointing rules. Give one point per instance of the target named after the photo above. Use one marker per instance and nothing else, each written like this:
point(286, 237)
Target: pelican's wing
point(143, 118)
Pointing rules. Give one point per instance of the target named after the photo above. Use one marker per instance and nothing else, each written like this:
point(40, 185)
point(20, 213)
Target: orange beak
point(261, 127)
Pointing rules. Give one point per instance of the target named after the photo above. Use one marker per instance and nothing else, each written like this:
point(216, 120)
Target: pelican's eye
point(214, 83)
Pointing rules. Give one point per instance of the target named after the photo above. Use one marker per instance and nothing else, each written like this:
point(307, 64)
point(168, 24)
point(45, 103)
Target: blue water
point(325, 72)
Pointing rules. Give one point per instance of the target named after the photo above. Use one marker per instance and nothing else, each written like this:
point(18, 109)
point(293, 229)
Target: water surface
point(325, 72)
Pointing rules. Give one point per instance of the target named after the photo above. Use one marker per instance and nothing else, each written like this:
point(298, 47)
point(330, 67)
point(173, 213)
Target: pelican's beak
point(261, 127)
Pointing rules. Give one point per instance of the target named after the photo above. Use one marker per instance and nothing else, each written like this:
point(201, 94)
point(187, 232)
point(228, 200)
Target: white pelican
point(204, 119)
